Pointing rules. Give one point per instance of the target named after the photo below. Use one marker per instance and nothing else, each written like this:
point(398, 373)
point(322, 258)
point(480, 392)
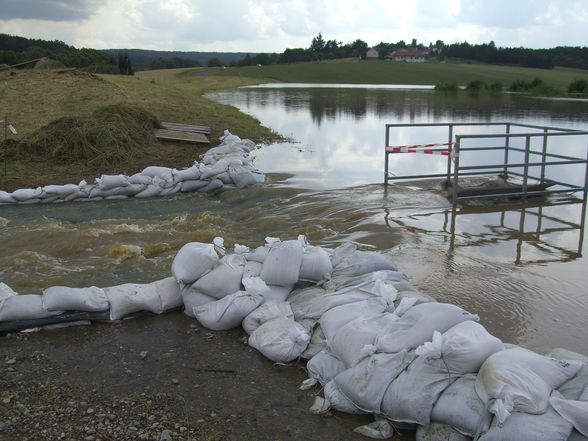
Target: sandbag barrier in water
point(225, 166)
point(374, 343)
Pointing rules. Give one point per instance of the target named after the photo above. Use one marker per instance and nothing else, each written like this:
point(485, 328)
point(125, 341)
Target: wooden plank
point(186, 127)
point(175, 135)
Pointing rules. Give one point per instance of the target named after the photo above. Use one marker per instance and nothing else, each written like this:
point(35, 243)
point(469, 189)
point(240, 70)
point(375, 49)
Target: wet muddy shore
point(155, 378)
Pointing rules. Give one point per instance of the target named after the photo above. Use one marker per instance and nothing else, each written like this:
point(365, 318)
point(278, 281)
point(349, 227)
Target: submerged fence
point(537, 150)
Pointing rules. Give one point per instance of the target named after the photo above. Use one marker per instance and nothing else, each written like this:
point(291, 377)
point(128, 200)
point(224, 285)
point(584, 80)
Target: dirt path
point(154, 378)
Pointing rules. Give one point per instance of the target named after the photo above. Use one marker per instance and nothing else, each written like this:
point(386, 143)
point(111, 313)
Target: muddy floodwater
point(520, 267)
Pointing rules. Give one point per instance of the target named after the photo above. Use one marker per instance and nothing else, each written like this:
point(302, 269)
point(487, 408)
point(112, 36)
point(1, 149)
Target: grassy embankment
point(383, 72)
point(31, 99)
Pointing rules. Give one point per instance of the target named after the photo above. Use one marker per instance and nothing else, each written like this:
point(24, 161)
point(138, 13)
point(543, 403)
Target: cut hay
point(111, 135)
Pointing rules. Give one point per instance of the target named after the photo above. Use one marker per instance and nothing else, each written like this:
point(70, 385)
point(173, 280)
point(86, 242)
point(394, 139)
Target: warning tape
point(422, 149)
point(421, 146)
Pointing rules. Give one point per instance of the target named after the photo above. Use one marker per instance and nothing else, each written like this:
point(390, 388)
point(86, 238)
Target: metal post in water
point(544, 156)
point(506, 146)
point(386, 155)
point(449, 157)
point(456, 170)
point(526, 167)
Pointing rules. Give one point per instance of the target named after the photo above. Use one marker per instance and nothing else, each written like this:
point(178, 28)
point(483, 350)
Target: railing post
point(386, 155)
point(506, 146)
point(544, 156)
point(449, 157)
point(456, 170)
point(526, 166)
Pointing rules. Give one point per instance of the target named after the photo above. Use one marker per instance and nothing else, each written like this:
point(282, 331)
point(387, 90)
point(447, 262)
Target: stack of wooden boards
point(183, 133)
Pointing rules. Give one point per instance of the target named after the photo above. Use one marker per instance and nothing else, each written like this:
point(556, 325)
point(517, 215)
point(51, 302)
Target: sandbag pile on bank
point(223, 167)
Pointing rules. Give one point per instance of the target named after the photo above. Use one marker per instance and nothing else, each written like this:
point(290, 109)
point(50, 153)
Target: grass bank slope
point(32, 99)
point(383, 72)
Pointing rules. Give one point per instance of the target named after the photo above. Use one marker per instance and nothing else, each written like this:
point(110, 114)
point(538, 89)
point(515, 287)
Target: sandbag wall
point(374, 343)
point(225, 166)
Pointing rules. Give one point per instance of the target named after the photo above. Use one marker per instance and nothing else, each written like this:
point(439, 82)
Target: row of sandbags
point(377, 345)
point(225, 166)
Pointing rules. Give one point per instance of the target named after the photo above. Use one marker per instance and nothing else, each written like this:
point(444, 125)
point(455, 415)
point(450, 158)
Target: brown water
point(521, 268)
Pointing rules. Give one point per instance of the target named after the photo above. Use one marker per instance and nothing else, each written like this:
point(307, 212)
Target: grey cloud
point(48, 10)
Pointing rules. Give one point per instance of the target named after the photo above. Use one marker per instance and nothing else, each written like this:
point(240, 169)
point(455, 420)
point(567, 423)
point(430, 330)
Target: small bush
point(496, 86)
point(578, 86)
point(446, 87)
point(476, 86)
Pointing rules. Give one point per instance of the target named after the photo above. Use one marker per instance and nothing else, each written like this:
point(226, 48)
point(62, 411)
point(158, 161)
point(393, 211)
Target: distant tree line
point(15, 50)
point(173, 63)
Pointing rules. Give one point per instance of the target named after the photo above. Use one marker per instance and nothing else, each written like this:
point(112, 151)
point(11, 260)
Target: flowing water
point(520, 267)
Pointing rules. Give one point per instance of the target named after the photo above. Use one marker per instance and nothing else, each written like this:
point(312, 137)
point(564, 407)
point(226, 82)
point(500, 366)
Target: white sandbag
point(521, 426)
point(417, 325)
point(60, 190)
point(228, 312)
point(366, 383)
point(318, 342)
point(439, 432)
point(252, 269)
point(128, 190)
point(163, 173)
point(411, 396)
point(265, 313)
point(351, 340)
point(187, 174)
point(213, 185)
point(192, 261)
point(25, 194)
point(573, 411)
point(338, 401)
point(6, 198)
point(171, 190)
point(280, 339)
point(339, 316)
point(258, 255)
point(210, 171)
point(275, 293)
point(460, 407)
point(132, 297)
point(188, 186)
point(282, 264)
point(356, 263)
point(381, 428)
point(577, 436)
point(324, 367)
point(224, 278)
point(247, 144)
point(192, 299)
point(62, 298)
point(224, 177)
point(521, 380)
point(315, 302)
point(337, 283)
point(141, 179)
point(316, 264)
point(242, 177)
point(151, 191)
point(169, 293)
point(24, 307)
point(106, 182)
point(462, 349)
point(6, 291)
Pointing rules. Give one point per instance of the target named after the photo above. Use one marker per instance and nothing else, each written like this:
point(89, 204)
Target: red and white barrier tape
point(422, 149)
point(421, 146)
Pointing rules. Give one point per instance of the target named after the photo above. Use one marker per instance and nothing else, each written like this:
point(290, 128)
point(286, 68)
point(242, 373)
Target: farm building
point(409, 55)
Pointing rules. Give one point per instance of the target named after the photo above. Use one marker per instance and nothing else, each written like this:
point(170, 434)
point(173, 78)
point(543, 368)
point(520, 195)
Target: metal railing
point(455, 145)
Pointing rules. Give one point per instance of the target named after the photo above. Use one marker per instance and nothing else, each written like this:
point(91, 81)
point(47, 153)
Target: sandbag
point(316, 264)
point(573, 411)
point(351, 339)
point(192, 261)
point(324, 367)
point(315, 302)
point(106, 182)
point(24, 307)
point(223, 279)
point(169, 293)
point(417, 325)
point(339, 282)
point(6, 198)
point(242, 177)
point(438, 432)
point(265, 313)
point(165, 174)
point(282, 264)
point(192, 185)
point(252, 269)
point(192, 298)
point(357, 263)
point(171, 190)
point(258, 255)
point(25, 194)
point(280, 339)
point(521, 380)
point(228, 312)
point(521, 426)
point(186, 174)
point(366, 383)
point(213, 185)
point(411, 396)
point(460, 407)
point(60, 190)
point(275, 293)
point(150, 191)
point(575, 386)
point(140, 179)
point(318, 342)
point(6, 291)
point(62, 298)
point(461, 349)
point(132, 297)
point(338, 401)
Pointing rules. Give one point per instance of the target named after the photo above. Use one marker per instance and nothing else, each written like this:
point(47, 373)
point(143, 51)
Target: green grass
point(384, 72)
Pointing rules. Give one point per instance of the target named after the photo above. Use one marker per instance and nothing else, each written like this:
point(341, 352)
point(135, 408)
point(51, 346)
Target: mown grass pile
point(110, 135)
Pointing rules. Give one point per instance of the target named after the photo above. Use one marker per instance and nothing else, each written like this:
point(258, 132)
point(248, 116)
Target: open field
point(384, 72)
point(31, 99)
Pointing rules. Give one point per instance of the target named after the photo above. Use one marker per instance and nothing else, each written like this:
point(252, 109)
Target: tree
point(318, 44)
point(359, 48)
point(414, 43)
point(215, 62)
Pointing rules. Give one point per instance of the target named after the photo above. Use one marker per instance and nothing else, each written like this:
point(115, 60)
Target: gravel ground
point(155, 378)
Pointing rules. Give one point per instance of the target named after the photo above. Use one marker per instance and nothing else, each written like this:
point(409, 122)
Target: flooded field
point(520, 267)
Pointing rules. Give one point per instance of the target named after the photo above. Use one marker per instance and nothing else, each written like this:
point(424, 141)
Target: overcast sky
point(274, 25)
